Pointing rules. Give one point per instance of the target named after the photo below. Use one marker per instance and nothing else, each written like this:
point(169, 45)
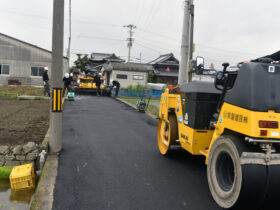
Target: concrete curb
point(24, 97)
point(43, 196)
point(134, 106)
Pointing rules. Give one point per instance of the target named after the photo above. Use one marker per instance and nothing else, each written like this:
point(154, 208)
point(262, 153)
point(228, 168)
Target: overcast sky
point(225, 30)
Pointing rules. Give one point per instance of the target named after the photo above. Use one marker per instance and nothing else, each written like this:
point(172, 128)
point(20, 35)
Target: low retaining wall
point(23, 154)
point(19, 155)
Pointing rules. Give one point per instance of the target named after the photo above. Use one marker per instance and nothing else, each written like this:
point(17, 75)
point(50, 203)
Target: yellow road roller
point(234, 122)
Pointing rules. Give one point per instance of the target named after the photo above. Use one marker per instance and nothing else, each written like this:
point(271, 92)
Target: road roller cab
point(234, 123)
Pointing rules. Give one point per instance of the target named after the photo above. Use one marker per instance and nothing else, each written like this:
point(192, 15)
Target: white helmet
point(100, 74)
point(71, 74)
point(46, 68)
point(67, 75)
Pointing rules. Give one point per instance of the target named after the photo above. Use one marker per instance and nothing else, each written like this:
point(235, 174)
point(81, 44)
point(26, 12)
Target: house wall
point(21, 57)
point(129, 81)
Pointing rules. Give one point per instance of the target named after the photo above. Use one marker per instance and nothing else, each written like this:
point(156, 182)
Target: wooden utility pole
point(56, 77)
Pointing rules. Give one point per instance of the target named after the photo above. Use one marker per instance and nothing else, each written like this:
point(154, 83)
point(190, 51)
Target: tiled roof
point(126, 67)
point(105, 57)
point(163, 59)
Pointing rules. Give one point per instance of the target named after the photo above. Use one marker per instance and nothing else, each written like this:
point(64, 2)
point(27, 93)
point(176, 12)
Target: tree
point(151, 78)
point(82, 62)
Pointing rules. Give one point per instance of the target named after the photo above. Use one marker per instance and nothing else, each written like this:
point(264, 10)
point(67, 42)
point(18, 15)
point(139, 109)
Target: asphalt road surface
point(110, 160)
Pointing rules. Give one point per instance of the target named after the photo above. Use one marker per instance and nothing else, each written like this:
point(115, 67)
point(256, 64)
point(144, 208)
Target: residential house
point(165, 69)
point(22, 63)
point(126, 73)
point(98, 59)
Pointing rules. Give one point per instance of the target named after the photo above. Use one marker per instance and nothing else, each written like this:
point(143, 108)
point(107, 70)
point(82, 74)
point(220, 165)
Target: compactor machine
point(87, 84)
point(234, 122)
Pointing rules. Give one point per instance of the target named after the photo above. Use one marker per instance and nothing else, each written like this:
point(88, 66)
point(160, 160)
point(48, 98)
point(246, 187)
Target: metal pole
point(185, 46)
point(56, 77)
point(130, 39)
point(129, 43)
point(191, 39)
point(69, 41)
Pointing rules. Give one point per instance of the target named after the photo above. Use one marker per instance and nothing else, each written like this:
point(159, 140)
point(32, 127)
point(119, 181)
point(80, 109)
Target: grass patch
point(153, 107)
point(13, 96)
point(38, 98)
point(5, 172)
point(6, 90)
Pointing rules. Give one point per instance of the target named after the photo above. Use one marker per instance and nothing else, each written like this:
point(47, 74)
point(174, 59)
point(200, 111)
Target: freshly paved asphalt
point(110, 160)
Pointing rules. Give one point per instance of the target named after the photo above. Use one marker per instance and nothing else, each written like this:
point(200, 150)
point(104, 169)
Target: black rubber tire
point(231, 184)
point(173, 126)
point(273, 187)
point(172, 134)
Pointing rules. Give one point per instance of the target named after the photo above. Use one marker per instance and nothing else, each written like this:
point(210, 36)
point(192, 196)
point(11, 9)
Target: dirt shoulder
point(6, 90)
point(22, 121)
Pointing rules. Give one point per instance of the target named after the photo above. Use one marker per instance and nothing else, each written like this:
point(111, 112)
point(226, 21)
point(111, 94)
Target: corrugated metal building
point(126, 73)
point(23, 63)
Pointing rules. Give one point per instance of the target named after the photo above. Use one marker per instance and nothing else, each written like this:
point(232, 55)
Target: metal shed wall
point(21, 56)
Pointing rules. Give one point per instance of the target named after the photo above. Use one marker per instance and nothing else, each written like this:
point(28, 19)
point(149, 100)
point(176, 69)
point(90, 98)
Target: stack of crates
point(22, 177)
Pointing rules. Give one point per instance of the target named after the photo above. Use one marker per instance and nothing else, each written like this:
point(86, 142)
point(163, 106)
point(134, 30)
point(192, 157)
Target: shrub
point(136, 88)
point(13, 96)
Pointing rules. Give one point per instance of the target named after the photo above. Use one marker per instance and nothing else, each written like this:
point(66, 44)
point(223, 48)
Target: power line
point(226, 50)
point(158, 35)
point(101, 38)
point(49, 18)
point(153, 45)
point(148, 47)
point(25, 23)
point(155, 12)
point(139, 14)
point(150, 13)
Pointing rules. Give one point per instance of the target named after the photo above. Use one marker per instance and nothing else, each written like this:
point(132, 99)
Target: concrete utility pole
point(187, 43)
point(69, 41)
point(56, 76)
point(130, 39)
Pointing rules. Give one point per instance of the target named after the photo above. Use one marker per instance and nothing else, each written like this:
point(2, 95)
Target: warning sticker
point(271, 69)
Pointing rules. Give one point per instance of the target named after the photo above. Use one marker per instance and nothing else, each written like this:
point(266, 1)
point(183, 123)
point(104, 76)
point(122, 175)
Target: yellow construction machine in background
point(234, 122)
point(87, 84)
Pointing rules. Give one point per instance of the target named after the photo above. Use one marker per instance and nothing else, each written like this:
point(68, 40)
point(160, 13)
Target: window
point(138, 77)
point(121, 76)
point(37, 71)
point(4, 69)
